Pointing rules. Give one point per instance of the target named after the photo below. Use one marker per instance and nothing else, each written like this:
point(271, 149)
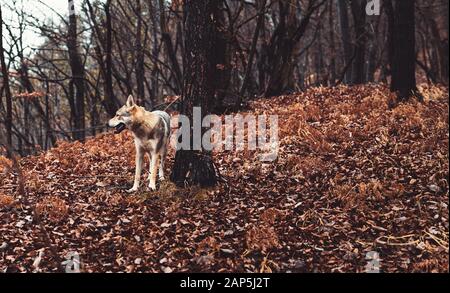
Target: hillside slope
point(352, 177)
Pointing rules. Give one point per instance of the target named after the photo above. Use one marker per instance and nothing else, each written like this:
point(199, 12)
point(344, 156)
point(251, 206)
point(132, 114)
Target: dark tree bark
point(332, 74)
point(440, 45)
point(342, 9)
point(167, 41)
point(193, 166)
point(403, 59)
point(139, 66)
point(261, 4)
point(110, 100)
point(286, 35)
point(7, 89)
point(445, 42)
point(26, 83)
point(154, 16)
point(103, 50)
point(390, 34)
point(359, 19)
point(222, 58)
point(318, 58)
point(372, 52)
point(77, 68)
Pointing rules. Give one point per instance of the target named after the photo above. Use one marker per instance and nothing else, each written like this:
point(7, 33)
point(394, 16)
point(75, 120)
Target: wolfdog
point(151, 131)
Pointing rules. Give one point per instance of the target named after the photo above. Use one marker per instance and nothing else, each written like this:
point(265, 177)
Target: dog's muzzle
point(120, 127)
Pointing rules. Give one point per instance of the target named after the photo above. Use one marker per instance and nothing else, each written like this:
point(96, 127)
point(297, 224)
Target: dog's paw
point(152, 186)
point(162, 178)
point(131, 190)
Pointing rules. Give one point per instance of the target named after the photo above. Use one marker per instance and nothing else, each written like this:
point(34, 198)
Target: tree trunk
point(110, 100)
point(359, 19)
point(332, 75)
point(445, 42)
point(154, 16)
point(103, 50)
point(345, 37)
point(222, 58)
point(285, 37)
point(139, 66)
point(26, 83)
point(318, 57)
point(439, 47)
point(5, 74)
point(191, 166)
point(261, 4)
point(372, 61)
point(279, 53)
point(78, 74)
point(167, 41)
point(403, 49)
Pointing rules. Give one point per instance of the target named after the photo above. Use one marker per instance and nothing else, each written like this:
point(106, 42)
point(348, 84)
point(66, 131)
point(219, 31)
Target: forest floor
point(352, 178)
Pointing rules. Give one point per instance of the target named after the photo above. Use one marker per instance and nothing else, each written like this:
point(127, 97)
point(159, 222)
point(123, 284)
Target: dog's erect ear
point(130, 101)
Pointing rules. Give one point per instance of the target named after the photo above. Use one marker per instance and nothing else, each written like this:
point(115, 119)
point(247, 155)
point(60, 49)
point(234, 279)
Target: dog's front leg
point(137, 175)
point(153, 169)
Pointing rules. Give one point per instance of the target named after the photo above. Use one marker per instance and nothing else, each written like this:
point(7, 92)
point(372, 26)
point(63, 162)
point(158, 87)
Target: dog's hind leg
point(161, 164)
point(154, 161)
point(137, 175)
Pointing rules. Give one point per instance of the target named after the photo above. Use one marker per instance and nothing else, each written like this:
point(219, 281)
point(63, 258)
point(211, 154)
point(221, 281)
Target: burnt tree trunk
point(403, 59)
point(195, 167)
point(5, 74)
point(77, 68)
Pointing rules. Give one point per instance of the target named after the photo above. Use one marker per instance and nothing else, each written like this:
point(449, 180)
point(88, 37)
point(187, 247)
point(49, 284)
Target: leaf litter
point(352, 176)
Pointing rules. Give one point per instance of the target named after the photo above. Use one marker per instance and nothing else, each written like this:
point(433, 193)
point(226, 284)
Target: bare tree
point(402, 26)
point(196, 166)
point(261, 4)
point(6, 86)
point(78, 75)
point(359, 18)
point(139, 63)
point(286, 35)
point(344, 26)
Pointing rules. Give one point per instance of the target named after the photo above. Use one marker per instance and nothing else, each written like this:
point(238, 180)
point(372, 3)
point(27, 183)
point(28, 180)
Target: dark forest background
point(91, 60)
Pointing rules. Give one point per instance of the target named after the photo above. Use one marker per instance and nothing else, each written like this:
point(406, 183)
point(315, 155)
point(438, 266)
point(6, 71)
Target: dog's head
point(124, 116)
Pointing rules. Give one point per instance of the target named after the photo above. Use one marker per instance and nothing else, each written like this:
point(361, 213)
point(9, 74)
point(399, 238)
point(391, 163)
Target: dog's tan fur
point(151, 132)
